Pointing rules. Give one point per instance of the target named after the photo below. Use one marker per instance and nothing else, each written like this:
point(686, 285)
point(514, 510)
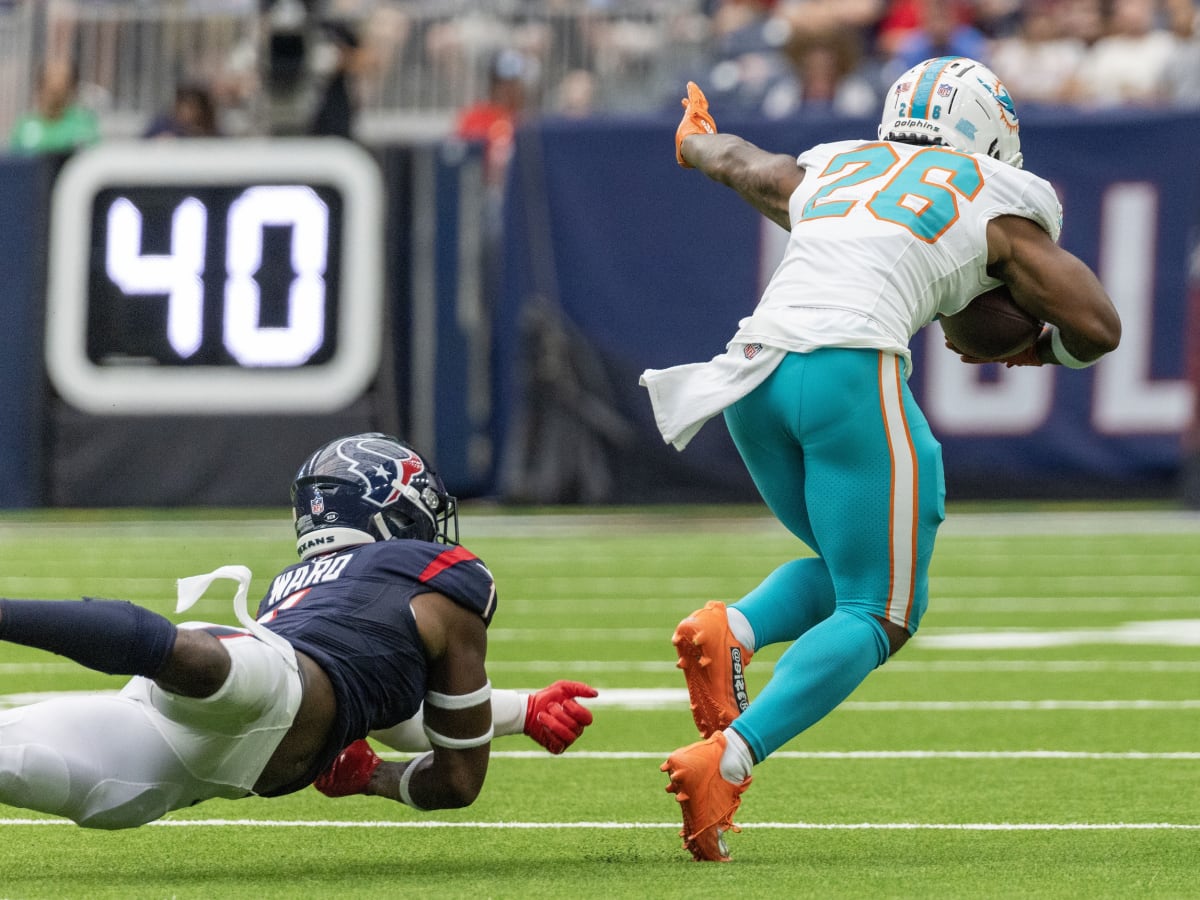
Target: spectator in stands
point(940, 33)
point(903, 20)
point(1081, 19)
point(575, 95)
point(999, 19)
point(193, 114)
point(830, 80)
point(494, 119)
point(338, 101)
point(1040, 61)
point(1183, 69)
point(1128, 65)
point(747, 65)
point(58, 124)
point(835, 38)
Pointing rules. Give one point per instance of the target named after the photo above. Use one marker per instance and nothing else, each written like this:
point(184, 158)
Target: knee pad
point(882, 644)
point(33, 776)
point(113, 805)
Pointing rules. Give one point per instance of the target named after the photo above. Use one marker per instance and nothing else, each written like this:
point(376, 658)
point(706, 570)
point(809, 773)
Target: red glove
point(350, 772)
point(554, 719)
point(696, 120)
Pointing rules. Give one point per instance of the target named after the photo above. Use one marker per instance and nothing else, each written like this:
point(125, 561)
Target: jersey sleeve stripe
point(444, 561)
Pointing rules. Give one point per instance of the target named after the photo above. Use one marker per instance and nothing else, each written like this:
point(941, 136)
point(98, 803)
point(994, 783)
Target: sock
point(814, 675)
point(742, 630)
point(110, 636)
point(736, 761)
point(788, 602)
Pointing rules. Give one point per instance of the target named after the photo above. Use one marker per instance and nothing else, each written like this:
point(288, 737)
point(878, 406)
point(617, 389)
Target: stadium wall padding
point(22, 237)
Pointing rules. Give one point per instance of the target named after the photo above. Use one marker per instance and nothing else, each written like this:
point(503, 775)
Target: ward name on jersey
point(351, 612)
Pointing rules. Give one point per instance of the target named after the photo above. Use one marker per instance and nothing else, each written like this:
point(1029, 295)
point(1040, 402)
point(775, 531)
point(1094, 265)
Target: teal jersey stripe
point(919, 108)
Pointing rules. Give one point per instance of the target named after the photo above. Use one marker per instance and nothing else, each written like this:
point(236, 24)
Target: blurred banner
point(510, 327)
point(618, 260)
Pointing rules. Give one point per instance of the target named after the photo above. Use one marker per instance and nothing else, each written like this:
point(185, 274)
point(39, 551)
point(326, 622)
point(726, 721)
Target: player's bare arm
point(452, 775)
point(1055, 286)
point(764, 180)
point(197, 666)
point(309, 731)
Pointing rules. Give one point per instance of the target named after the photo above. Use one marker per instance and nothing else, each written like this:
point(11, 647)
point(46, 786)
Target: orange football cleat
point(713, 663)
point(706, 800)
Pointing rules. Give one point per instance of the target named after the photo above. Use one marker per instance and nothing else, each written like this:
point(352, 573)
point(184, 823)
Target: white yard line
point(674, 826)
point(861, 755)
point(676, 698)
point(478, 522)
point(580, 666)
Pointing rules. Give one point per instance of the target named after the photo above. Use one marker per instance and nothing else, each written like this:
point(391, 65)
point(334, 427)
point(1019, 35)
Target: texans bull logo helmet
point(365, 488)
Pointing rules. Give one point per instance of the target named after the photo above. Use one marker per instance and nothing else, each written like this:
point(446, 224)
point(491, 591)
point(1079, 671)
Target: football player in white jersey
point(886, 235)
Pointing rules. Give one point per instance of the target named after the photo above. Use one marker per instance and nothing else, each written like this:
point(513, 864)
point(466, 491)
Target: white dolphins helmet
point(955, 102)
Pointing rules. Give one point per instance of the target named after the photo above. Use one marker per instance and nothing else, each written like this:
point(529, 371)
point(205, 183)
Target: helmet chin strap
point(381, 526)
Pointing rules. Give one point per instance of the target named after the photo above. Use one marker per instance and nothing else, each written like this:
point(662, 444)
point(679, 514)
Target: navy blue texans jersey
point(351, 612)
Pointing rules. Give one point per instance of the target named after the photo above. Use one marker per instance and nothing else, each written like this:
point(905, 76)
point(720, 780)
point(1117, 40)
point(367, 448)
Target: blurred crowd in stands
point(777, 57)
point(769, 58)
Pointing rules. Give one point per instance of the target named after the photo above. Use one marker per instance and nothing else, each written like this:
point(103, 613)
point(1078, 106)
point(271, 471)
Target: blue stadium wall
point(516, 331)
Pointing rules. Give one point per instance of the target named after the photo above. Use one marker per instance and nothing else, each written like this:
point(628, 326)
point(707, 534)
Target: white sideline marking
point(483, 523)
point(674, 826)
point(1169, 632)
point(1126, 755)
point(1165, 632)
point(677, 698)
point(578, 666)
point(669, 698)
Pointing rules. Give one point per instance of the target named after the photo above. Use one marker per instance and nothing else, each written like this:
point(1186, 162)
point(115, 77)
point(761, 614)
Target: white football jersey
point(884, 237)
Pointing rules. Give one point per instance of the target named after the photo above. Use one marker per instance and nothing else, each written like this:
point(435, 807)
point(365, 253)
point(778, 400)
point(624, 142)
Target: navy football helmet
point(365, 488)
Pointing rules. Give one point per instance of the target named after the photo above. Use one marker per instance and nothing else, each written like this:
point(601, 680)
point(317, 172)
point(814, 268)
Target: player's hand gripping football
point(1027, 357)
point(696, 120)
point(554, 718)
point(350, 772)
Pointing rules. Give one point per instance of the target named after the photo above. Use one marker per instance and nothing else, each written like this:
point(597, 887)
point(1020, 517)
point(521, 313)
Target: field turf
point(1040, 737)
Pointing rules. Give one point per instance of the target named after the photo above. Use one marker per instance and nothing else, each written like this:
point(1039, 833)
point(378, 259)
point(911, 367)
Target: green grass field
point(1038, 738)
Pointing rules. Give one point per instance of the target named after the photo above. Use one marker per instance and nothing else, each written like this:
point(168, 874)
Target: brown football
point(991, 326)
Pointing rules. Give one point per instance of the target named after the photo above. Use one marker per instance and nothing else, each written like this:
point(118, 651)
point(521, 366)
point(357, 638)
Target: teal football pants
point(844, 458)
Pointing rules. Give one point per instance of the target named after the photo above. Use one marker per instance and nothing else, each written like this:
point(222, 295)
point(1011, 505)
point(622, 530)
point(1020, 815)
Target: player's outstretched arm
point(1059, 289)
point(553, 717)
point(764, 180)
